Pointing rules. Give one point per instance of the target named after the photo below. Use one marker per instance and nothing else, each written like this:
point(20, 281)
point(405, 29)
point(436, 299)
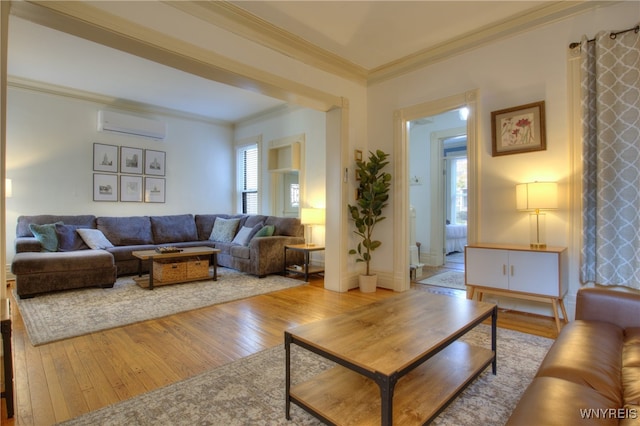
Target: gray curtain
point(611, 160)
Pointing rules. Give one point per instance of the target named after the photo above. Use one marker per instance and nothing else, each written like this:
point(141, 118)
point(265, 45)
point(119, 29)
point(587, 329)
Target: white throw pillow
point(243, 236)
point(94, 238)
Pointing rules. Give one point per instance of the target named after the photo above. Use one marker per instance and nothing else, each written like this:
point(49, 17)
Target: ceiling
point(366, 35)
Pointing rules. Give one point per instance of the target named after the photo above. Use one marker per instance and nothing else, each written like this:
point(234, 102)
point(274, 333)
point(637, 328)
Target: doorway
point(438, 190)
point(404, 179)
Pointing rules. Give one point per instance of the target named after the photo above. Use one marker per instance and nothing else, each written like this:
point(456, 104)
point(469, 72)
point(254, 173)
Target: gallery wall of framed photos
point(128, 174)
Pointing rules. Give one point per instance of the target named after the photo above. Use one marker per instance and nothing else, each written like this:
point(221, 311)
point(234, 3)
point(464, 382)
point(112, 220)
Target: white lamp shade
point(310, 216)
point(537, 196)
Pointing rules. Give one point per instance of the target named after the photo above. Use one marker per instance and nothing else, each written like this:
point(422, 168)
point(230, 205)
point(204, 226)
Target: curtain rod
point(612, 36)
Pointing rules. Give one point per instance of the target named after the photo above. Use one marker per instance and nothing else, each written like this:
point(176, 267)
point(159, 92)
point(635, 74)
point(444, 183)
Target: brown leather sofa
point(591, 374)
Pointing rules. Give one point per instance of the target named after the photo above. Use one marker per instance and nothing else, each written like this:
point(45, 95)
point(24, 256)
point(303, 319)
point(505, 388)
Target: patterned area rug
point(451, 279)
point(61, 315)
point(251, 391)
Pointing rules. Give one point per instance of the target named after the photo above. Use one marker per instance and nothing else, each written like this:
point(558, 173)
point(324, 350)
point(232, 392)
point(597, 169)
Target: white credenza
point(518, 271)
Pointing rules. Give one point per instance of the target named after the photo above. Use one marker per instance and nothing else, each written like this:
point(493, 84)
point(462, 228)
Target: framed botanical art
point(105, 158)
point(130, 160)
point(105, 187)
point(154, 190)
point(131, 188)
point(154, 162)
point(518, 129)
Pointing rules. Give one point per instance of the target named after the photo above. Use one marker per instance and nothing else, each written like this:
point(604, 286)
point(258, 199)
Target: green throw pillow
point(266, 231)
point(46, 234)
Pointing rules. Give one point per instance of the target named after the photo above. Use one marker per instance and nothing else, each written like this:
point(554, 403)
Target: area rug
point(61, 315)
point(251, 391)
point(451, 279)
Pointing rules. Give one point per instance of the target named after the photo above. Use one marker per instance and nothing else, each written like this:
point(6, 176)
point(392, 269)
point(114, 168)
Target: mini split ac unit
point(109, 121)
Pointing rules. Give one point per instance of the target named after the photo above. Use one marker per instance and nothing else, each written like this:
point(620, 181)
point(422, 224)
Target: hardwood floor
point(61, 380)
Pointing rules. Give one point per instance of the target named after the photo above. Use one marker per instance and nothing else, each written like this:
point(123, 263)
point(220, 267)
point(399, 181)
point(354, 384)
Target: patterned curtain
point(611, 159)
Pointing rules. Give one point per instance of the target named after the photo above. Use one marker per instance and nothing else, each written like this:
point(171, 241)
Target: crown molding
point(83, 20)
point(542, 15)
point(118, 103)
point(240, 22)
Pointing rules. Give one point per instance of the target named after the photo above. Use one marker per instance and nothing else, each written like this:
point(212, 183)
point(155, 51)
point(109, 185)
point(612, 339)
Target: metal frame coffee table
point(399, 361)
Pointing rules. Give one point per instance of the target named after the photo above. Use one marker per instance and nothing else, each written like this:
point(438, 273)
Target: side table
point(7, 355)
point(306, 269)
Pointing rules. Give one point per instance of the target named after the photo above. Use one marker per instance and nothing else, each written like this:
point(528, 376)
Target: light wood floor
point(61, 380)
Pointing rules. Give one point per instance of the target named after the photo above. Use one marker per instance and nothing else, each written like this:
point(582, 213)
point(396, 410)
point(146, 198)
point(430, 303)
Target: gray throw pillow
point(69, 239)
point(94, 238)
point(224, 230)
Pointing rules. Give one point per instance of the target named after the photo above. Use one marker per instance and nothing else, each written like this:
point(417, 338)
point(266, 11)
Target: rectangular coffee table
point(184, 253)
point(399, 360)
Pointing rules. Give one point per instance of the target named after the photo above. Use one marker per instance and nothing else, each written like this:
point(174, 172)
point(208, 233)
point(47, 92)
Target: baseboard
point(8, 273)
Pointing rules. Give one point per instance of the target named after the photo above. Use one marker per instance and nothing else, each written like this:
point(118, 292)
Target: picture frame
point(105, 187)
point(154, 190)
point(131, 160)
point(518, 129)
point(357, 155)
point(105, 158)
point(131, 188)
point(154, 162)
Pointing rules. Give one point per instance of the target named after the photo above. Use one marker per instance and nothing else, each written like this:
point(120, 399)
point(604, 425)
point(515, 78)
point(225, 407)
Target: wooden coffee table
point(183, 254)
point(399, 360)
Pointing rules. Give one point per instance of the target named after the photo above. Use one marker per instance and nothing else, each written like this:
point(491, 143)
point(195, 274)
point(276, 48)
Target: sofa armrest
point(613, 306)
point(27, 244)
point(268, 253)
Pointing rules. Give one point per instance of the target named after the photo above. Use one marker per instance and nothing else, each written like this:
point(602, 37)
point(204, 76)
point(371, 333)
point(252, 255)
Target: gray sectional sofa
point(41, 265)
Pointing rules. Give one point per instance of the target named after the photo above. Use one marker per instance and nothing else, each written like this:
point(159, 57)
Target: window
point(248, 178)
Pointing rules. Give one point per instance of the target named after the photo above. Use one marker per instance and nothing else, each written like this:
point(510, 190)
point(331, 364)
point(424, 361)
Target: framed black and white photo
point(131, 188)
point(105, 187)
point(154, 190)
point(130, 160)
point(154, 162)
point(105, 158)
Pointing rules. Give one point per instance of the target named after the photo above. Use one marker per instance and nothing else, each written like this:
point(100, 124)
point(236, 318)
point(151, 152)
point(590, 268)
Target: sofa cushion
point(588, 353)
point(224, 230)
point(289, 226)
point(243, 252)
point(94, 238)
point(69, 239)
point(173, 229)
point(631, 366)
point(126, 231)
point(22, 228)
point(46, 235)
point(551, 401)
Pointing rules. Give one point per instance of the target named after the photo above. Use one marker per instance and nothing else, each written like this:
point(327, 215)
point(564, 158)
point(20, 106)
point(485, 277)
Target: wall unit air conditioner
point(109, 121)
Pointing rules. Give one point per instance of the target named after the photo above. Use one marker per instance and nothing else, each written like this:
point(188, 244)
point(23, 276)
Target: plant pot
point(368, 283)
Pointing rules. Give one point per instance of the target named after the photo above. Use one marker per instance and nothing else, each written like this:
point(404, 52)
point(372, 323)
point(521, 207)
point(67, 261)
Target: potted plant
point(373, 194)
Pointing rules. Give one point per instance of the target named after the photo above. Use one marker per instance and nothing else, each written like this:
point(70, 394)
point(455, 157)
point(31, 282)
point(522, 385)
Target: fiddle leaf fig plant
point(373, 194)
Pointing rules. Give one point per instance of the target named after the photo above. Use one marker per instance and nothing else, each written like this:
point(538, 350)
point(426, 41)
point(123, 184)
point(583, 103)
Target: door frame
point(401, 278)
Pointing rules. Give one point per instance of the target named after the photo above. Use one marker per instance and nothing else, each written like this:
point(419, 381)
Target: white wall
point(522, 69)
point(50, 160)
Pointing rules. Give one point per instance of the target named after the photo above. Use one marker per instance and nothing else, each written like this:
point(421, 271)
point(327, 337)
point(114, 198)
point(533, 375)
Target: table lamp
point(310, 217)
point(536, 196)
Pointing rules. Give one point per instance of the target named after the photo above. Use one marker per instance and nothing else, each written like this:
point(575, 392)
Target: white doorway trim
point(401, 279)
